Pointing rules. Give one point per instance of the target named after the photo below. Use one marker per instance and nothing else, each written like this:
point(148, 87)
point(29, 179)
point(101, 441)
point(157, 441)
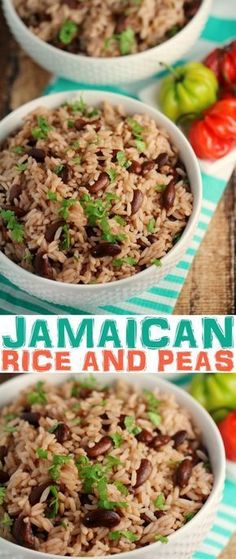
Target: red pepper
point(214, 135)
point(227, 429)
point(222, 61)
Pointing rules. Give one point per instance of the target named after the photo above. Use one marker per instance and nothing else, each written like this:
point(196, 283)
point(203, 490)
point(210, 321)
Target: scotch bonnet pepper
point(188, 89)
point(216, 392)
point(222, 61)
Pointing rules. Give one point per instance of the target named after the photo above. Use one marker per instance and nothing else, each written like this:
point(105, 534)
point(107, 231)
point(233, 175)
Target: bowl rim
point(23, 381)
point(94, 59)
point(54, 100)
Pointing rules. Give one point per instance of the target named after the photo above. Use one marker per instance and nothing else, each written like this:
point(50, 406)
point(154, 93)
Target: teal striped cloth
point(161, 298)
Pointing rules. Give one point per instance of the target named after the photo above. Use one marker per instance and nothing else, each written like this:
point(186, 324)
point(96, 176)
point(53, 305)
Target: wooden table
point(210, 286)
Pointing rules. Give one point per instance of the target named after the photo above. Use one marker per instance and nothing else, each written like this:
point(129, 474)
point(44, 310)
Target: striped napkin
point(222, 530)
point(161, 298)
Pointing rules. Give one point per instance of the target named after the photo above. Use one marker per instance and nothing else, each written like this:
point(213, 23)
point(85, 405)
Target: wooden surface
point(209, 288)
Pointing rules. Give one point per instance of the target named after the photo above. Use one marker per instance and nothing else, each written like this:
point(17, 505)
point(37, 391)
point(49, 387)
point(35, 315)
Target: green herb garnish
point(151, 225)
point(16, 228)
point(68, 32)
point(58, 461)
point(121, 487)
point(53, 428)
point(160, 187)
point(120, 220)
point(126, 41)
point(66, 238)
point(42, 454)
point(6, 521)
point(112, 461)
point(127, 534)
point(156, 262)
point(19, 150)
point(188, 516)
point(151, 400)
point(53, 504)
point(52, 196)
point(41, 131)
point(112, 173)
point(130, 425)
point(117, 439)
point(2, 494)
point(37, 396)
point(59, 168)
point(79, 105)
point(154, 417)
point(66, 204)
point(20, 167)
point(122, 159)
point(159, 502)
point(160, 538)
point(118, 262)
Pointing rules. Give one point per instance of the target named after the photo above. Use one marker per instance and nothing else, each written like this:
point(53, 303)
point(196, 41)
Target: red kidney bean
point(137, 201)
point(42, 266)
point(37, 154)
point(62, 433)
point(151, 238)
point(15, 192)
point(3, 452)
point(84, 499)
point(52, 228)
point(101, 517)
point(147, 166)
point(159, 441)
point(31, 417)
point(122, 23)
point(37, 491)
point(145, 518)
point(162, 159)
point(105, 249)
point(191, 8)
point(84, 392)
point(80, 123)
point(100, 184)
point(4, 477)
point(183, 472)
point(19, 212)
point(135, 167)
point(144, 437)
point(122, 421)
point(102, 447)
point(65, 174)
point(179, 438)
point(22, 532)
point(143, 473)
point(168, 196)
point(31, 142)
point(158, 514)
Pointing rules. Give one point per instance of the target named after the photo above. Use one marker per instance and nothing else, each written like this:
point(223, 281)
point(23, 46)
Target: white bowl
point(120, 69)
point(90, 297)
point(187, 539)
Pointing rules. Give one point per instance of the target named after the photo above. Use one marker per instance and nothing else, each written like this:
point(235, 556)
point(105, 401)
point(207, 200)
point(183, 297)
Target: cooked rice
point(56, 233)
point(104, 28)
point(92, 412)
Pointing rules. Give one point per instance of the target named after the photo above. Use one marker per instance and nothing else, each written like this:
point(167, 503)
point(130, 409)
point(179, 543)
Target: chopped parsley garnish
point(173, 31)
point(41, 131)
point(110, 196)
point(112, 461)
point(70, 123)
point(95, 477)
point(118, 262)
point(151, 400)
point(117, 439)
point(130, 425)
point(58, 461)
point(159, 502)
point(42, 454)
point(127, 534)
point(2, 494)
point(66, 238)
point(188, 516)
point(53, 502)
point(59, 168)
point(6, 521)
point(160, 187)
point(68, 32)
point(9, 429)
point(28, 256)
point(37, 396)
point(156, 262)
point(77, 160)
point(126, 41)
point(20, 167)
point(120, 220)
point(53, 428)
point(160, 538)
point(18, 149)
point(79, 105)
point(110, 505)
point(122, 159)
point(66, 204)
point(154, 417)
point(112, 173)
point(137, 130)
point(151, 225)
point(16, 228)
point(52, 195)
point(97, 214)
point(121, 487)
point(9, 417)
